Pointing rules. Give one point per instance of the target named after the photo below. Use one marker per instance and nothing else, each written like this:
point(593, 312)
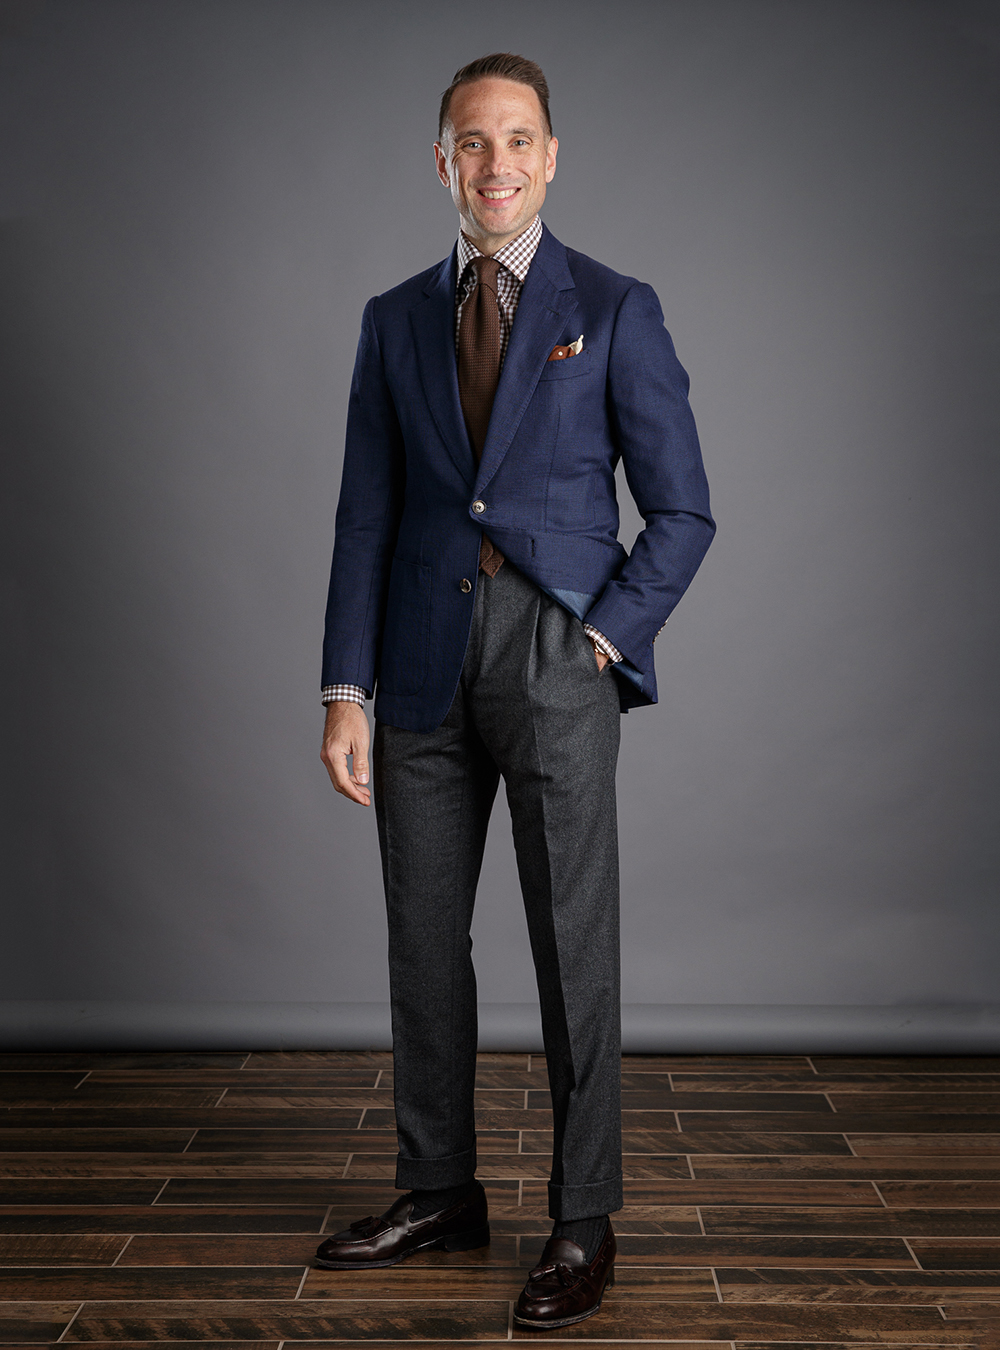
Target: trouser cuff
point(435, 1174)
point(585, 1202)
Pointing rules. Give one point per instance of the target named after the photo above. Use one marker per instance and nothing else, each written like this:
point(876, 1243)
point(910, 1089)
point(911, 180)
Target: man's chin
point(496, 227)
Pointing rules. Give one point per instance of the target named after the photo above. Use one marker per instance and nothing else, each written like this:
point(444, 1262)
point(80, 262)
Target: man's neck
point(489, 245)
point(485, 246)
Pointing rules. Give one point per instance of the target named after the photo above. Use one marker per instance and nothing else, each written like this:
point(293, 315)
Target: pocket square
point(561, 353)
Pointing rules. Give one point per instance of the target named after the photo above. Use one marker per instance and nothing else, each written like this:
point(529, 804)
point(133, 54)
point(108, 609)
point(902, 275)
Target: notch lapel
point(433, 324)
point(547, 300)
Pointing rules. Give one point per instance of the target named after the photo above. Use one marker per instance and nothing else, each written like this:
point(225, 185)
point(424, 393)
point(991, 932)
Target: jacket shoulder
point(614, 290)
point(413, 289)
point(591, 272)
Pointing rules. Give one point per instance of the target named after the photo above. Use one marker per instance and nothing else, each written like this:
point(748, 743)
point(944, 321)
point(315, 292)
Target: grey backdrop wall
point(198, 200)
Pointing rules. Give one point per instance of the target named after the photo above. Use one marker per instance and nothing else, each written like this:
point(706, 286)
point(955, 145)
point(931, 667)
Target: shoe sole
point(454, 1242)
point(568, 1321)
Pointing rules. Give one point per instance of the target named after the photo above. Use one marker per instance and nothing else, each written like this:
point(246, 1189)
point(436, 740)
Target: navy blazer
point(407, 536)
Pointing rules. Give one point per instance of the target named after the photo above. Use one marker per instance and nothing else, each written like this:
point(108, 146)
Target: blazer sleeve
point(655, 434)
point(371, 500)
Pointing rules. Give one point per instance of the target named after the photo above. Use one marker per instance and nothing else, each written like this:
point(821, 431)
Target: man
point(478, 585)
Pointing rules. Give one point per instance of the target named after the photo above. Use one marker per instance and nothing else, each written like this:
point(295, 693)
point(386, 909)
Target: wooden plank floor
point(770, 1202)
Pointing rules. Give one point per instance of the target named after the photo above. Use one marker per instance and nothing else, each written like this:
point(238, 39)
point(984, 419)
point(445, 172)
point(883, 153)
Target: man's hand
point(602, 659)
point(346, 733)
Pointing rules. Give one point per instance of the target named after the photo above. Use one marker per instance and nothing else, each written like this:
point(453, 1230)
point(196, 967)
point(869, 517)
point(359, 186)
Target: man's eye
point(472, 145)
point(521, 142)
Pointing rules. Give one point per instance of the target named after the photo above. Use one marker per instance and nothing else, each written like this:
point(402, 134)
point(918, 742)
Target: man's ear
point(550, 159)
point(441, 164)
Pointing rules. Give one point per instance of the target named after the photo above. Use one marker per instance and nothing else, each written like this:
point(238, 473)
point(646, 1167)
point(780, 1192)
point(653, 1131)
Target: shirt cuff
point(602, 644)
point(344, 693)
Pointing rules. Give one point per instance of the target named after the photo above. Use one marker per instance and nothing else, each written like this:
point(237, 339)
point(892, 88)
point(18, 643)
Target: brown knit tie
point(479, 372)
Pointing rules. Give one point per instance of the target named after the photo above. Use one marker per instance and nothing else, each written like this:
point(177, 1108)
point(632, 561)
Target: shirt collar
point(515, 256)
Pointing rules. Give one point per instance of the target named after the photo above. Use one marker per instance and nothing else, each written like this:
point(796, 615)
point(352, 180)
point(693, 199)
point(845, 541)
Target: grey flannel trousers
point(533, 708)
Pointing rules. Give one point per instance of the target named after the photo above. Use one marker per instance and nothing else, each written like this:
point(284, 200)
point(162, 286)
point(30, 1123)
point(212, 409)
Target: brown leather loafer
point(383, 1241)
point(563, 1288)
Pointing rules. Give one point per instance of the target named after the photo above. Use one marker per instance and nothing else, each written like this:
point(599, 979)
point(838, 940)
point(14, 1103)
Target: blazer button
point(465, 585)
point(479, 507)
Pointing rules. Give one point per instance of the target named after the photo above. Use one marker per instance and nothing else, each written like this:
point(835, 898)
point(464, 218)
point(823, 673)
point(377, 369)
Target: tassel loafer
point(387, 1238)
point(564, 1288)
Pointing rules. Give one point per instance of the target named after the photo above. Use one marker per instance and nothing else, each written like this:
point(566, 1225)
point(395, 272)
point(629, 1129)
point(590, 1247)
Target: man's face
point(496, 158)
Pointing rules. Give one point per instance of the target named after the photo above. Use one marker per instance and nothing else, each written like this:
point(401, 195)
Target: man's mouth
point(497, 194)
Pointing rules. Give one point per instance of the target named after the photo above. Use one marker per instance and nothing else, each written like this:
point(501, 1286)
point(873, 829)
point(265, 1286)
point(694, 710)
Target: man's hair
point(499, 66)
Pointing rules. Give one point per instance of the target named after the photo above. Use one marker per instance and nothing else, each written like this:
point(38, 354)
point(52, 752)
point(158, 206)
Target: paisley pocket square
point(561, 353)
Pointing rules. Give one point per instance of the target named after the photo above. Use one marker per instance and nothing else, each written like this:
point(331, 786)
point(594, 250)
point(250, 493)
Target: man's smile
point(497, 194)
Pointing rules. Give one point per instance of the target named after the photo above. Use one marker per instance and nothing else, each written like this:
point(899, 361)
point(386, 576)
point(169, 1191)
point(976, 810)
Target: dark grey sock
point(426, 1203)
point(586, 1233)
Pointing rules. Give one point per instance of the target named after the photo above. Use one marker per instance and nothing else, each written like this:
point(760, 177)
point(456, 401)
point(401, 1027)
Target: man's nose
point(497, 160)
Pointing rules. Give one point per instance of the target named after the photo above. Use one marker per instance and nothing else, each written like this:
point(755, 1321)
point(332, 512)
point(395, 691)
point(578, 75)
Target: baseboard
point(647, 1028)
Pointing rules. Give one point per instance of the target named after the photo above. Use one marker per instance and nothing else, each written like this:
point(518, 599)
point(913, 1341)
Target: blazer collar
point(433, 323)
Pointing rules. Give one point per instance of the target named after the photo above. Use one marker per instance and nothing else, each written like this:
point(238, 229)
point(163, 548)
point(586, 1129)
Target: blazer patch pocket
point(403, 664)
point(572, 367)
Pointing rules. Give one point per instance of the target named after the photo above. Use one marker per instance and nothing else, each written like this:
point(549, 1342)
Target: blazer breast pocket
point(403, 663)
point(570, 368)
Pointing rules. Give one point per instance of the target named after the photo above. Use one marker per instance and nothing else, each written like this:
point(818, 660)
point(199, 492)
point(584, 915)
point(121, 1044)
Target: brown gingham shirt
point(514, 259)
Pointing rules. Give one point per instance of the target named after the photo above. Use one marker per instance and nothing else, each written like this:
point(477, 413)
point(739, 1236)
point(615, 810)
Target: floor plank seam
point(160, 1191)
point(65, 1330)
point(718, 1287)
point(878, 1192)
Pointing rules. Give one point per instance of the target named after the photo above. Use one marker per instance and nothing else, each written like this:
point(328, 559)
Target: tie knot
point(486, 270)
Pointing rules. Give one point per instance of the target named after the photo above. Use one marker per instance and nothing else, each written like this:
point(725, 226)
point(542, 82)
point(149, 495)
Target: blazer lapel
point(433, 323)
point(547, 300)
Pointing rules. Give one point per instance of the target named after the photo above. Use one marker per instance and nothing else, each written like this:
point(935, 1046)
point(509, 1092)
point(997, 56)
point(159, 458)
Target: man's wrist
point(601, 644)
